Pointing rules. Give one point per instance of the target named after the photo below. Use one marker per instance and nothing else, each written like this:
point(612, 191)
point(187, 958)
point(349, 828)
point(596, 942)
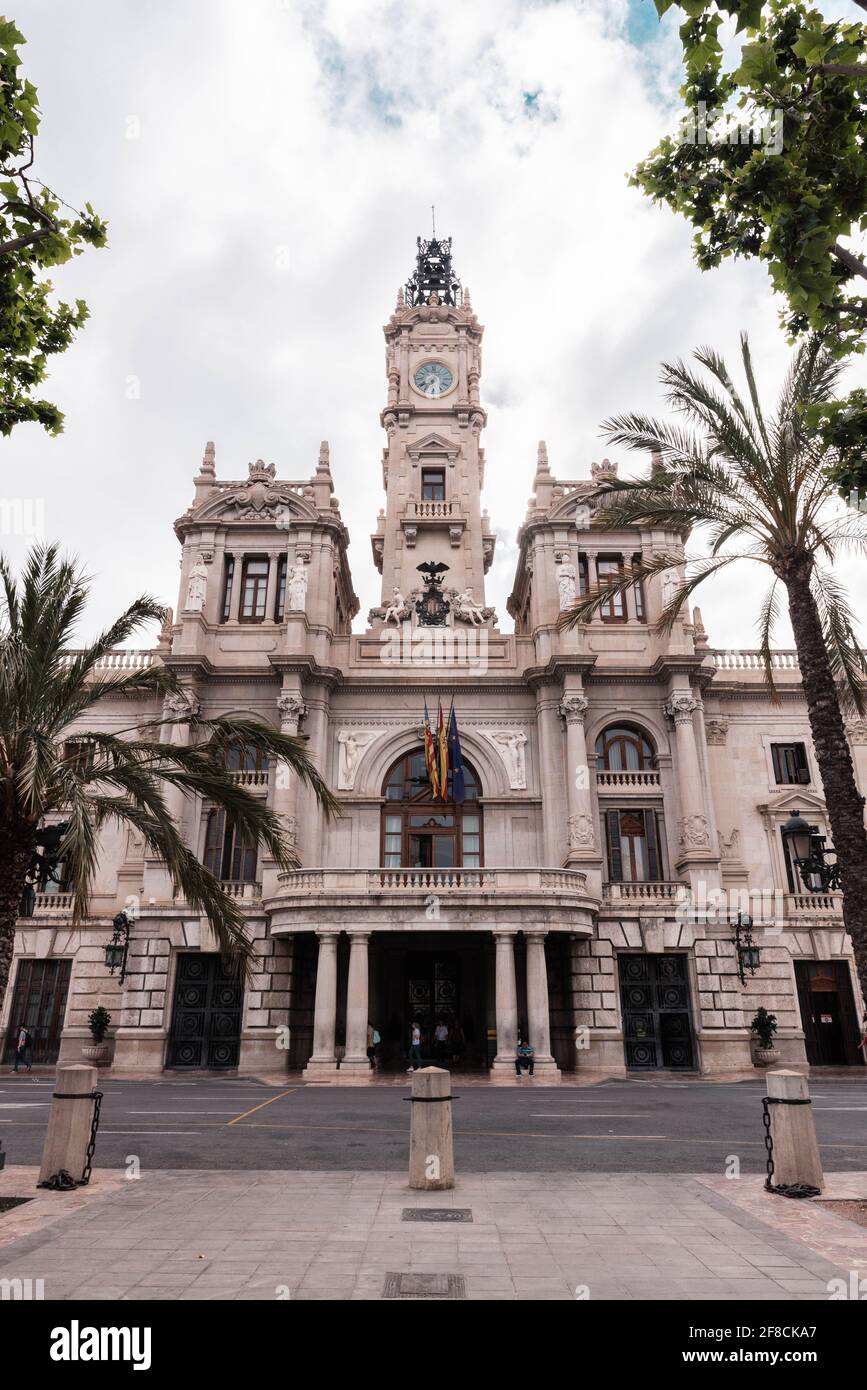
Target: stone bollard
point(69, 1122)
point(793, 1131)
point(431, 1146)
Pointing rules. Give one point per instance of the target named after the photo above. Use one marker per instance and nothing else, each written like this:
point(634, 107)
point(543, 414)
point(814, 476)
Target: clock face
point(433, 379)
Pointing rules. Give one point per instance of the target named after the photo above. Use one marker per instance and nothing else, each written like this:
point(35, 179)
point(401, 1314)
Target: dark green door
point(206, 1018)
point(657, 1027)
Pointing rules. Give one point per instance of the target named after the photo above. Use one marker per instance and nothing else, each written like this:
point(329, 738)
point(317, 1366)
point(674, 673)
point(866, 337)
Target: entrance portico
point(483, 989)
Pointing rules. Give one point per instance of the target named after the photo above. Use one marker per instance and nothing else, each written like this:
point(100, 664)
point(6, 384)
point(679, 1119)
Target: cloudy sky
point(265, 167)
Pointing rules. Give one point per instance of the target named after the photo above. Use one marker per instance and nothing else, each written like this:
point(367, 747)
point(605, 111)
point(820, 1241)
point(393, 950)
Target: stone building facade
point(625, 790)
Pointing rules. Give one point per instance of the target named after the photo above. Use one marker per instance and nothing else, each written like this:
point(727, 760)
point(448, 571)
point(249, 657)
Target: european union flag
point(459, 791)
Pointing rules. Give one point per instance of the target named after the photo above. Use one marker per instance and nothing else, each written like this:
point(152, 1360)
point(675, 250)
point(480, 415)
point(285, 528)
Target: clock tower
point(433, 465)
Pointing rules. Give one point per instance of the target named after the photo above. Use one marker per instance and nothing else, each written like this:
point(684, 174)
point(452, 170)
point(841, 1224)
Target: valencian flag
point(443, 755)
point(430, 759)
point(459, 791)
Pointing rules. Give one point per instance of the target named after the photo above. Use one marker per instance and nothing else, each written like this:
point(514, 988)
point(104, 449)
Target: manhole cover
point(424, 1286)
point(437, 1214)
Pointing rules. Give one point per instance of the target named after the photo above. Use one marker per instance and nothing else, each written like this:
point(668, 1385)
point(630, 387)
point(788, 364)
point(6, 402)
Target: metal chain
point(795, 1189)
point(91, 1147)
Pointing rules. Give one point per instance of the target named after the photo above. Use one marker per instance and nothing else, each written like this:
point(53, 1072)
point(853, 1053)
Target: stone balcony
point(637, 781)
point(814, 907)
point(432, 900)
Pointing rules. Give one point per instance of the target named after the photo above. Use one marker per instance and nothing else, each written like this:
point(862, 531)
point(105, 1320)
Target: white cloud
point(287, 158)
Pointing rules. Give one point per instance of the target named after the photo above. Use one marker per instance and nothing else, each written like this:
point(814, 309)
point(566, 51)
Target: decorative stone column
point(695, 852)
point(181, 706)
point(580, 825)
point(506, 1002)
point(538, 1018)
point(550, 736)
point(292, 710)
point(356, 1059)
point(323, 1062)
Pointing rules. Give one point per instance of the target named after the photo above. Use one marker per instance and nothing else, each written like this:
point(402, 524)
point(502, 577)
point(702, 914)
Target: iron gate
point(657, 1027)
point(206, 1018)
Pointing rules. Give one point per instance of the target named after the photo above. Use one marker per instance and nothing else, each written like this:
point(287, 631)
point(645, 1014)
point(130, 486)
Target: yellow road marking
point(262, 1106)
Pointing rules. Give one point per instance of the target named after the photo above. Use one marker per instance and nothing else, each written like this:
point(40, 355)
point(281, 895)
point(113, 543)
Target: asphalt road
point(619, 1127)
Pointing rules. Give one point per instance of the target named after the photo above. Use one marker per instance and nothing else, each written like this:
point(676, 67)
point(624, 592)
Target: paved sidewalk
point(269, 1235)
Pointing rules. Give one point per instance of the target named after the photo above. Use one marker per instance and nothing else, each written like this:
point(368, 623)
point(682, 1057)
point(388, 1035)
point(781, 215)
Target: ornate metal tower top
point(433, 274)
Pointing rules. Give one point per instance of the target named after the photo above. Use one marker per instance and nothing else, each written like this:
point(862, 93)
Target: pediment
point(793, 799)
point(574, 507)
point(433, 443)
point(257, 501)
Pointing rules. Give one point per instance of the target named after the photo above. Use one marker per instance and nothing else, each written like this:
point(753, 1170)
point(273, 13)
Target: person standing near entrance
point(373, 1041)
point(23, 1051)
point(441, 1038)
point(414, 1046)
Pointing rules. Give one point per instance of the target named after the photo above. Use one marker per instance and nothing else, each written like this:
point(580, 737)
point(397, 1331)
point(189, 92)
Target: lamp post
point(808, 850)
point(749, 954)
point(117, 949)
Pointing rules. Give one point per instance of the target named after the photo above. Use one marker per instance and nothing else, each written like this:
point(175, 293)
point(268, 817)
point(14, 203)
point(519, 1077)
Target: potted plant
point(764, 1026)
point(97, 1021)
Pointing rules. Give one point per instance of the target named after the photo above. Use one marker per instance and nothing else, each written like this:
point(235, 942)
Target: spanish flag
point(430, 759)
point(443, 754)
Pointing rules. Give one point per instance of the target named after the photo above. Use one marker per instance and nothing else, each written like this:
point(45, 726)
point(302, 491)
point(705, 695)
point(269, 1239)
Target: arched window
point(624, 749)
point(420, 833)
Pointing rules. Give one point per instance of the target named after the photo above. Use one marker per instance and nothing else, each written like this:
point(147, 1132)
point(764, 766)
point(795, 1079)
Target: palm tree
point(94, 778)
point(760, 490)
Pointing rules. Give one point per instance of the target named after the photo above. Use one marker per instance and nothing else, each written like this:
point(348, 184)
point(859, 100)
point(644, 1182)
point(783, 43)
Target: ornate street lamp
point(117, 949)
point(808, 850)
point(749, 954)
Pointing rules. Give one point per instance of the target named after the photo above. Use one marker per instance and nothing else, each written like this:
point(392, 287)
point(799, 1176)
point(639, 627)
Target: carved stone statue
point(566, 576)
point(197, 587)
point(510, 745)
point(398, 609)
point(729, 847)
point(296, 585)
point(465, 607)
point(352, 745)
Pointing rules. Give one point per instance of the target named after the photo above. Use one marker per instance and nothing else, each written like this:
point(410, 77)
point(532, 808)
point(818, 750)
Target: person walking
point(525, 1056)
point(373, 1042)
point(23, 1049)
point(414, 1046)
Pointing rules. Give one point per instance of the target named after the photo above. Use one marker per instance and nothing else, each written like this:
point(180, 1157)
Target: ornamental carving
point(182, 704)
point(857, 730)
point(681, 707)
point(351, 746)
point(264, 499)
point(573, 708)
point(292, 710)
point(694, 832)
point(581, 834)
point(716, 730)
point(510, 744)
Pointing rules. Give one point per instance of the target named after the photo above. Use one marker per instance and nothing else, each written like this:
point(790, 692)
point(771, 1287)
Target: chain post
point(91, 1147)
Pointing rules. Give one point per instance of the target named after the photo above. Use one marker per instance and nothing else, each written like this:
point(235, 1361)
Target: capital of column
point(505, 936)
point(358, 937)
point(292, 710)
point(573, 708)
point(327, 938)
point(680, 707)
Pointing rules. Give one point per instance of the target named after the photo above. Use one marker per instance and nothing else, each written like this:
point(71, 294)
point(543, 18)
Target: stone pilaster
point(695, 852)
point(583, 846)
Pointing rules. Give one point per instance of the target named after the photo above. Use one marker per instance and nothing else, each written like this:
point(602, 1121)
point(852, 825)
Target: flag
point(459, 791)
point(430, 761)
point(443, 754)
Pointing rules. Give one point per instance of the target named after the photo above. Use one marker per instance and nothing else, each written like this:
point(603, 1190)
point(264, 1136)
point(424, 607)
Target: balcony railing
point(431, 511)
point(51, 904)
point(754, 661)
point(384, 881)
point(241, 888)
point(120, 660)
point(647, 891)
point(627, 781)
point(814, 905)
point(248, 778)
